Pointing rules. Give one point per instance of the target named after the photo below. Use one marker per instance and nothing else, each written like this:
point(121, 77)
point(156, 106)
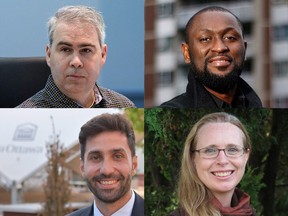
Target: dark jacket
point(138, 208)
point(196, 96)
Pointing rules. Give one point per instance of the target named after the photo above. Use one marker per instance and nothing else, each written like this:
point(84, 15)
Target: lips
point(110, 182)
point(222, 173)
point(76, 76)
point(220, 61)
point(107, 184)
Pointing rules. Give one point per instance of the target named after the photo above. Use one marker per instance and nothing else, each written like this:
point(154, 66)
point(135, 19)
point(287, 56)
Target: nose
point(222, 158)
point(219, 46)
point(106, 167)
point(76, 61)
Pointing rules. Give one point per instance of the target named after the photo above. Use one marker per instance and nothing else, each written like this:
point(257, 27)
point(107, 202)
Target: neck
point(108, 209)
point(86, 100)
point(224, 198)
point(226, 97)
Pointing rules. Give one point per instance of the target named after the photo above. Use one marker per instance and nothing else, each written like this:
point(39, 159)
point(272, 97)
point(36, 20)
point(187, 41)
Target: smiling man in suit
point(108, 163)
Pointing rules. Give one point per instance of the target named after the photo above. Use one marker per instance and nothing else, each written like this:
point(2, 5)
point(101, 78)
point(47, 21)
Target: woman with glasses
point(215, 154)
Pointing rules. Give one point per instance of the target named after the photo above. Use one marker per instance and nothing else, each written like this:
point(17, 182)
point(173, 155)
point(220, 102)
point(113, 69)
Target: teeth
point(222, 174)
point(107, 182)
point(221, 60)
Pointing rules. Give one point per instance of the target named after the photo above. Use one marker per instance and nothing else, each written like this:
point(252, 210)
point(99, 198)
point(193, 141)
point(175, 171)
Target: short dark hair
point(210, 8)
point(107, 123)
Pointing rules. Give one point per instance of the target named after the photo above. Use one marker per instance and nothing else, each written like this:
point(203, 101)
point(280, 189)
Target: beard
point(109, 195)
point(218, 83)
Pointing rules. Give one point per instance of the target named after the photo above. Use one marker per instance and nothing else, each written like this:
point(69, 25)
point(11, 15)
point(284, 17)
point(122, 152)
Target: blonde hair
point(194, 197)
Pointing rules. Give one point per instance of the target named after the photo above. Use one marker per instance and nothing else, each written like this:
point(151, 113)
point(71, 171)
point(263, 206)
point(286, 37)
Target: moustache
point(228, 57)
point(105, 177)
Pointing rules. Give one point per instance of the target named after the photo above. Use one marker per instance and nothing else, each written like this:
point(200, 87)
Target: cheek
point(57, 64)
point(202, 168)
point(91, 169)
point(197, 56)
point(238, 51)
point(240, 165)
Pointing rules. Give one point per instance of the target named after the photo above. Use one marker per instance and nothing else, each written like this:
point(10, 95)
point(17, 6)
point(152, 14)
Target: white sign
point(25, 133)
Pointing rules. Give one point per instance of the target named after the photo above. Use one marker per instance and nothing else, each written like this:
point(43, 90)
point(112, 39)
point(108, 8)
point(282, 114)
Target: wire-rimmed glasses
point(230, 151)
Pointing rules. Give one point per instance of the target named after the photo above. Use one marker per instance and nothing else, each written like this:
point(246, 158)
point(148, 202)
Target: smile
point(110, 182)
point(220, 61)
point(222, 174)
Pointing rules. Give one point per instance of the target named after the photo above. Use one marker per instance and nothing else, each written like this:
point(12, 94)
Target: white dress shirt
point(124, 211)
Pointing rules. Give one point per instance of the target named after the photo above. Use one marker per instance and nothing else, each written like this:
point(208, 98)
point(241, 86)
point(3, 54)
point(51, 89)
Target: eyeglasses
point(213, 152)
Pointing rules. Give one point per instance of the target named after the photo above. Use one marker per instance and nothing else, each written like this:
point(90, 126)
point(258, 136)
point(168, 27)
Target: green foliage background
point(266, 178)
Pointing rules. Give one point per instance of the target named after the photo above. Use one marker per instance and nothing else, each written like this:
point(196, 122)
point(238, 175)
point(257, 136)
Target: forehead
point(80, 32)
point(106, 142)
point(219, 134)
point(214, 21)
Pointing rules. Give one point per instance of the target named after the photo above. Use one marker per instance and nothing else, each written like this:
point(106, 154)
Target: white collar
point(124, 211)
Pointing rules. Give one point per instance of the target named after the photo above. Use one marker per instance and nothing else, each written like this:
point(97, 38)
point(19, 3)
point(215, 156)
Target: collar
point(238, 101)
point(97, 98)
point(240, 205)
point(123, 211)
point(61, 100)
point(244, 97)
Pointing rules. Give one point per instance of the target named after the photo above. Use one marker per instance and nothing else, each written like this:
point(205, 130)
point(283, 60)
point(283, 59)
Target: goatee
point(218, 83)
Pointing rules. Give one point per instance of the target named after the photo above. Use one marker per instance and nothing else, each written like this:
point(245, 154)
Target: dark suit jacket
point(138, 208)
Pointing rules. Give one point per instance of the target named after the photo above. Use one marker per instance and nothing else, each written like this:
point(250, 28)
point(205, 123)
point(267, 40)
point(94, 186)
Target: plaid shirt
point(52, 97)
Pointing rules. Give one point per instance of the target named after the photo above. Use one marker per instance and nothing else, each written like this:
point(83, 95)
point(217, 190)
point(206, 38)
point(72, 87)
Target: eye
point(209, 150)
point(86, 50)
point(204, 39)
point(230, 38)
point(65, 49)
point(233, 149)
point(95, 158)
point(118, 156)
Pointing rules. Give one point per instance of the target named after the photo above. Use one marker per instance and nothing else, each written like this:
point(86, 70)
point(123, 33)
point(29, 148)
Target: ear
point(104, 53)
point(185, 52)
point(82, 169)
point(48, 54)
point(245, 47)
point(134, 165)
point(247, 156)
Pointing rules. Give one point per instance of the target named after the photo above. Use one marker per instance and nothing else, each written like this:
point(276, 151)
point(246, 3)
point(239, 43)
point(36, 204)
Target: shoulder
point(250, 94)
point(138, 207)
point(180, 101)
point(36, 101)
point(115, 99)
point(87, 211)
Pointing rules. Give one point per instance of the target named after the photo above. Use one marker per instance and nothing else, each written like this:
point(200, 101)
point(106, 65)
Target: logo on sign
point(25, 132)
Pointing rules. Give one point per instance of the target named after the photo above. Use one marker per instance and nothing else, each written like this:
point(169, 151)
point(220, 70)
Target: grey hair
point(77, 14)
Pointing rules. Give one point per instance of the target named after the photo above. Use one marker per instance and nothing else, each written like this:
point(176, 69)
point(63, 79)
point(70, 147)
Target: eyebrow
point(110, 151)
point(215, 146)
point(222, 31)
point(80, 45)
